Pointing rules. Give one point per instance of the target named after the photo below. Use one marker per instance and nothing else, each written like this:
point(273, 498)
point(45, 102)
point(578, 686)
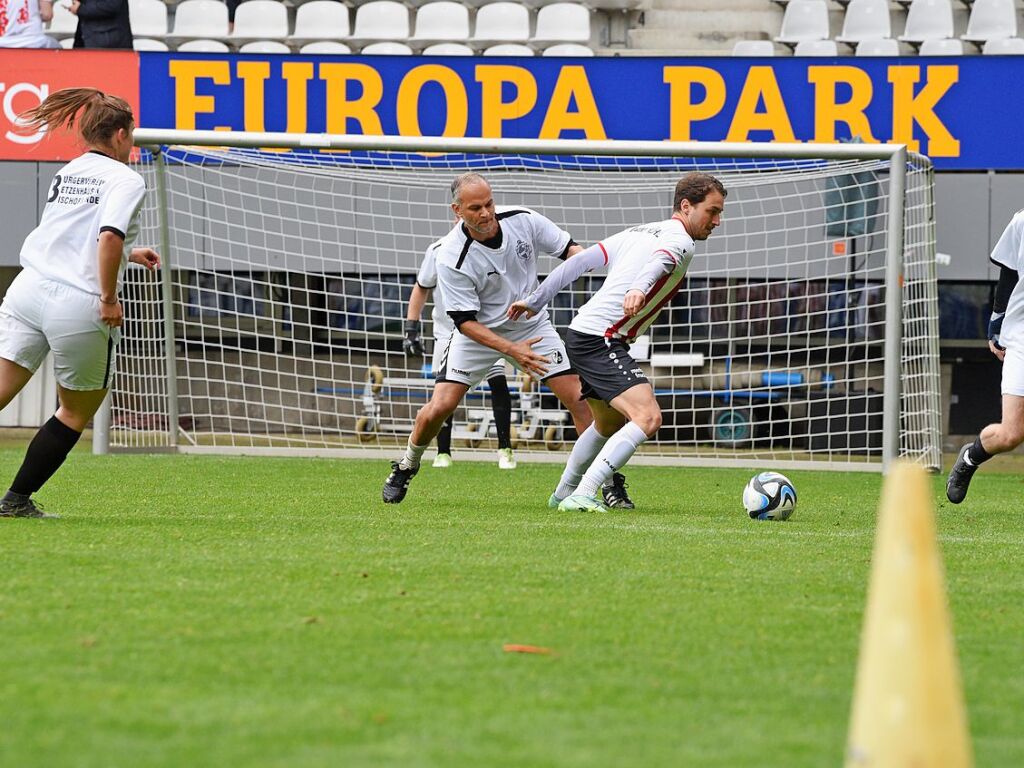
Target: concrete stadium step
point(703, 31)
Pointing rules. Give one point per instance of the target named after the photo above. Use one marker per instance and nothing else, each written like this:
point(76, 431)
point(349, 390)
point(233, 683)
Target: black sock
point(444, 437)
point(501, 404)
point(45, 454)
point(977, 454)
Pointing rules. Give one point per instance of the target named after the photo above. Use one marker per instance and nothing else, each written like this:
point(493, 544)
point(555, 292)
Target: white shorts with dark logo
point(441, 347)
point(604, 365)
point(38, 315)
point(465, 361)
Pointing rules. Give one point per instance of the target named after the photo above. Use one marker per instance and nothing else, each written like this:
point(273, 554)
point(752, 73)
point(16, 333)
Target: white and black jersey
point(481, 279)
point(427, 278)
point(91, 194)
point(651, 258)
point(1008, 253)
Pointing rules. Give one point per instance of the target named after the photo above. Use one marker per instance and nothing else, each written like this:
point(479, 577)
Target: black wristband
point(413, 326)
point(109, 303)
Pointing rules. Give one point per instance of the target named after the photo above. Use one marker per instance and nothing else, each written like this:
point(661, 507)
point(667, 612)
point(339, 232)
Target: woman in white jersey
point(65, 299)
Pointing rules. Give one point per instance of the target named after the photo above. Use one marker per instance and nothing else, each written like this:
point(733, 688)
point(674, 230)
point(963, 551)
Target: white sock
point(413, 453)
point(617, 451)
point(587, 446)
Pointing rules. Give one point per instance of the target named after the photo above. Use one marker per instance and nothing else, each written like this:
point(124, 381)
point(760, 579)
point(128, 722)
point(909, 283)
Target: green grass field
point(191, 611)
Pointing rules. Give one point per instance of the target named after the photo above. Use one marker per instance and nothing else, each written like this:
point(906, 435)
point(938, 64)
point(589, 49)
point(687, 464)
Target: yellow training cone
point(908, 706)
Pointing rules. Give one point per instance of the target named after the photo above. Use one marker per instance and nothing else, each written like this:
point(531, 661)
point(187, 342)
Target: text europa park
point(508, 93)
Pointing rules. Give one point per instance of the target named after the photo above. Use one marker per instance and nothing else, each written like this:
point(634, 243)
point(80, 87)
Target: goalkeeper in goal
point(646, 266)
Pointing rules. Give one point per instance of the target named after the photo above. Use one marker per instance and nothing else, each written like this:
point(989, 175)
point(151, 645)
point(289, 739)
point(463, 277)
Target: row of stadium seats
point(927, 20)
point(1006, 46)
point(384, 48)
point(380, 20)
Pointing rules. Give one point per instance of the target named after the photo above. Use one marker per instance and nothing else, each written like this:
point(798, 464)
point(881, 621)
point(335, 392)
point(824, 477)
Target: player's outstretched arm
point(564, 274)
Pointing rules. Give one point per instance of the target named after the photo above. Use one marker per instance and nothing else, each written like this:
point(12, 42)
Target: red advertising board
point(28, 76)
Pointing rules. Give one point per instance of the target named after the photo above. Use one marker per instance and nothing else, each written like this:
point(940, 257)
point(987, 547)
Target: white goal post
point(806, 334)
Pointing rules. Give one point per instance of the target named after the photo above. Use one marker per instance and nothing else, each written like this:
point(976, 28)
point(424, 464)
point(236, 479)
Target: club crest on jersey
point(523, 250)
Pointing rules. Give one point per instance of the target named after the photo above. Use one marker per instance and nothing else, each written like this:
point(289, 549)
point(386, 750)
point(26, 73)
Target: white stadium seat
point(866, 20)
point(569, 49)
point(443, 20)
point(325, 46)
point(448, 49)
point(502, 22)
point(203, 46)
point(321, 20)
point(1004, 46)
point(261, 20)
point(198, 19)
point(145, 44)
point(509, 49)
point(816, 48)
point(884, 47)
point(942, 48)
point(991, 20)
point(804, 20)
point(563, 23)
point(753, 48)
point(381, 20)
point(928, 20)
point(64, 22)
point(67, 43)
point(387, 49)
point(148, 18)
point(265, 46)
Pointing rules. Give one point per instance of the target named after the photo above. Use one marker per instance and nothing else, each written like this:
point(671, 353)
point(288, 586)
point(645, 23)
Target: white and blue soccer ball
point(769, 496)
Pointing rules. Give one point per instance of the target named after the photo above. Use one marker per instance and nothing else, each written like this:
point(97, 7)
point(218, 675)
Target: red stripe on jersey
point(641, 319)
point(669, 254)
point(601, 246)
point(613, 329)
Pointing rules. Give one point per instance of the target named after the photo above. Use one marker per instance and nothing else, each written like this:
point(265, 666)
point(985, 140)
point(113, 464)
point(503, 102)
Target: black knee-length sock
point(45, 454)
point(501, 404)
point(444, 437)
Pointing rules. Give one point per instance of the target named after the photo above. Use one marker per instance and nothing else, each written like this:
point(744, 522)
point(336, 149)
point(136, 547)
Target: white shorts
point(1013, 372)
point(441, 344)
point(39, 315)
point(465, 361)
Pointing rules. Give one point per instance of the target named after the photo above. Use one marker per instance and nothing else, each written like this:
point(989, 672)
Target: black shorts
point(604, 366)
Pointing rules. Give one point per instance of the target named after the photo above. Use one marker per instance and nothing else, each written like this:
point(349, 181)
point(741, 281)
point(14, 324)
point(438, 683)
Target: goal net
point(806, 332)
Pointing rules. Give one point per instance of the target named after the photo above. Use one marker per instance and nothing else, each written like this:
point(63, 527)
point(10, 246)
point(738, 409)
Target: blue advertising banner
point(957, 111)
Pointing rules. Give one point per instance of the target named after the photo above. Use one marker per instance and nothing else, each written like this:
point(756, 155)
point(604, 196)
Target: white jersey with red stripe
point(630, 254)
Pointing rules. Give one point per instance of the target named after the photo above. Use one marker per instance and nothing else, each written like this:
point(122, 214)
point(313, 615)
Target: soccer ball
point(769, 496)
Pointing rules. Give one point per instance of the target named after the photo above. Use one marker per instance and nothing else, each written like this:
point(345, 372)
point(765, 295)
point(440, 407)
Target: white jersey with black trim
point(427, 278)
point(630, 255)
point(91, 194)
point(1008, 253)
point(474, 277)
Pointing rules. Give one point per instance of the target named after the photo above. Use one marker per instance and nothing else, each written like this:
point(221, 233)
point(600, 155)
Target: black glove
point(412, 345)
point(995, 327)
